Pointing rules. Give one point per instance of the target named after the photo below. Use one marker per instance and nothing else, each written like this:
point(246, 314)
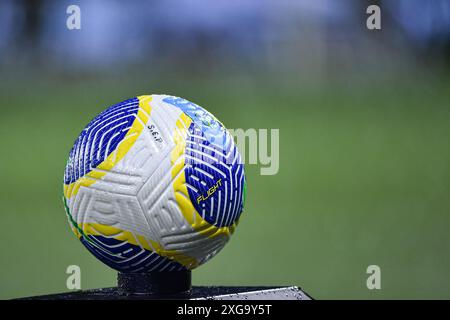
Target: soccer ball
point(154, 183)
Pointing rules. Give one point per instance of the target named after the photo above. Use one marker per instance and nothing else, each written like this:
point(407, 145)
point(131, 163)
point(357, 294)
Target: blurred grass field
point(364, 179)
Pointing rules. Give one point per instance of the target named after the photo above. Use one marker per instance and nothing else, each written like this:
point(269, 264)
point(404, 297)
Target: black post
point(154, 283)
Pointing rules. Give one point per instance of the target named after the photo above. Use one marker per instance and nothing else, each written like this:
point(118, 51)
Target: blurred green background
point(364, 166)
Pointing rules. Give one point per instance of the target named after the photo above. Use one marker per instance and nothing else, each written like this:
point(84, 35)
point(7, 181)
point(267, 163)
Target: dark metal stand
point(155, 283)
point(175, 285)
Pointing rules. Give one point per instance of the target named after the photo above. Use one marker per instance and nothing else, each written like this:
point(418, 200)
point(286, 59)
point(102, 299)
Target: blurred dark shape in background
point(318, 37)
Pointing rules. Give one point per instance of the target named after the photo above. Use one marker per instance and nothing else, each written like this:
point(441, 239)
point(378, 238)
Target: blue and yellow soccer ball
point(154, 183)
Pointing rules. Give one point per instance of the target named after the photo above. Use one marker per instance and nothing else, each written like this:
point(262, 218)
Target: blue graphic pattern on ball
point(208, 124)
point(127, 257)
point(214, 171)
point(86, 153)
